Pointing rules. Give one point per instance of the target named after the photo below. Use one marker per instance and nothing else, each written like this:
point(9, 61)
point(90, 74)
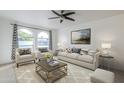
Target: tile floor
point(26, 74)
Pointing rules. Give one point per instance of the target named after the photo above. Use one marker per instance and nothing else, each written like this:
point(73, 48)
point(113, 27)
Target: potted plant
point(48, 56)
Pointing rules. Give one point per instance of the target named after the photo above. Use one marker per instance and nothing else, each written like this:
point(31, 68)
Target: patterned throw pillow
point(25, 51)
point(68, 50)
point(21, 51)
point(76, 50)
point(43, 50)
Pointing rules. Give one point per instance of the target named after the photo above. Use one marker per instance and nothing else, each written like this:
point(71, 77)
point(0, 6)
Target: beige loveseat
point(41, 52)
point(24, 58)
point(88, 61)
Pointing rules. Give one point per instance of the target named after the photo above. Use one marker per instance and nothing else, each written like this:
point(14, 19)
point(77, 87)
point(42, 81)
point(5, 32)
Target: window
point(28, 39)
point(25, 38)
point(43, 40)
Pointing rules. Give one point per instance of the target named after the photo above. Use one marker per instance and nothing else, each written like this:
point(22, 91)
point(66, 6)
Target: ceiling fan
point(63, 16)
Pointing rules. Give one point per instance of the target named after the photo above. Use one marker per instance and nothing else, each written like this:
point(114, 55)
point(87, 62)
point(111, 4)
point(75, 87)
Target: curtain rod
point(30, 27)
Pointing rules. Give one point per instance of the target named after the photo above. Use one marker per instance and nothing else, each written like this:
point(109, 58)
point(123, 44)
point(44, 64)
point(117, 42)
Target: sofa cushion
point(62, 54)
point(85, 58)
point(29, 56)
point(72, 55)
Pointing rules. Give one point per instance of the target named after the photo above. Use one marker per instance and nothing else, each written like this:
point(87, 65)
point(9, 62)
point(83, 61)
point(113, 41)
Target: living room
point(36, 29)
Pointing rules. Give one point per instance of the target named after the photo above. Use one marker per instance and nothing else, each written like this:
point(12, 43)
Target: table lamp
point(106, 47)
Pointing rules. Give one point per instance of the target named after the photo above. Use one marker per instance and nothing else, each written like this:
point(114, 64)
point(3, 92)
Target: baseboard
point(3, 64)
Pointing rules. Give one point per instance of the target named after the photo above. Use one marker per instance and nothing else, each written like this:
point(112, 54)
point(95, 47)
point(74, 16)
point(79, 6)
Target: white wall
point(54, 39)
point(5, 41)
point(109, 29)
point(6, 31)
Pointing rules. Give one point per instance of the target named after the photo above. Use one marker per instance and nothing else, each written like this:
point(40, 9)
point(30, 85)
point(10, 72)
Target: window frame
point(25, 45)
point(35, 38)
point(43, 38)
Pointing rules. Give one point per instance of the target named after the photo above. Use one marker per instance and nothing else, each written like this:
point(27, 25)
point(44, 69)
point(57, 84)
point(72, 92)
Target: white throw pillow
point(84, 51)
point(92, 52)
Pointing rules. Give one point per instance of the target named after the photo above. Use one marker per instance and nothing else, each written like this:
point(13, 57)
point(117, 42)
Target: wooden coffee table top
point(49, 68)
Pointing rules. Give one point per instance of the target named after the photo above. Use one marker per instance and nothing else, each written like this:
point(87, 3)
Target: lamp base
point(105, 52)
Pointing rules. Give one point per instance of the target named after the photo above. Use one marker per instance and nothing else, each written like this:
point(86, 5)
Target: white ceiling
point(40, 17)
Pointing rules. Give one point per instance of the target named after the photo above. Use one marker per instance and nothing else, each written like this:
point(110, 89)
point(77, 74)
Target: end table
point(106, 60)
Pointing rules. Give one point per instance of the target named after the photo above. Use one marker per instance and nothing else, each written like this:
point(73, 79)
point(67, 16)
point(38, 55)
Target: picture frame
point(82, 36)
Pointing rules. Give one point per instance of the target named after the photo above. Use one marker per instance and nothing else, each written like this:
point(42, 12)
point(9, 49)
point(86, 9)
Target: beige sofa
point(87, 61)
point(24, 58)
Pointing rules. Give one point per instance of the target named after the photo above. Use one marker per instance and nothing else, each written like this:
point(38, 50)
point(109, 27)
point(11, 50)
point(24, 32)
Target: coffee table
point(50, 73)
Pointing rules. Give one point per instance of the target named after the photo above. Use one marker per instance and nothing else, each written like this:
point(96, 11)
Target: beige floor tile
point(27, 74)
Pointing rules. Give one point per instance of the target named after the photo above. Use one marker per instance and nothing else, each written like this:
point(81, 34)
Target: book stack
point(53, 63)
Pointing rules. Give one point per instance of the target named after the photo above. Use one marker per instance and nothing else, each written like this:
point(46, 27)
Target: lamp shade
point(106, 45)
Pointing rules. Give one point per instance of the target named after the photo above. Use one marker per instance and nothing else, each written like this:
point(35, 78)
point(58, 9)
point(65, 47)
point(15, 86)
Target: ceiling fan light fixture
point(63, 16)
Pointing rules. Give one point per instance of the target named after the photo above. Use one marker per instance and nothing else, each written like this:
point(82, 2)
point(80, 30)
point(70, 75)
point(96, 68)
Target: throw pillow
point(68, 50)
point(21, 52)
point(84, 51)
point(28, 51)
point(92, 52)
point(43, 50)
point(25, 51)
point(76, 50)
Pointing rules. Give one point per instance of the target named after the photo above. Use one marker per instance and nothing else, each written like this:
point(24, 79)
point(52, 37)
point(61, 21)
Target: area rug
point(7, 74)
point(76, 74)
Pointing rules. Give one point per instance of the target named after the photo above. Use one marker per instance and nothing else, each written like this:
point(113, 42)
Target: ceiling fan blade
point(61, 21)
point(53, 17)
point(70, 18)
point(62, 11)
point(56, 13)
point(70, 13)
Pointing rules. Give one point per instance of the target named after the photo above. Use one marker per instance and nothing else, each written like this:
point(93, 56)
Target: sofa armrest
point(39, 55)
point(33, 55)
point(17, 55)
point(60, 53)
point(96, 59)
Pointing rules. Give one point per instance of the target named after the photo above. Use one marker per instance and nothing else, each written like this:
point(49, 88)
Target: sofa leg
point(34, 61)
point(17, 65)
